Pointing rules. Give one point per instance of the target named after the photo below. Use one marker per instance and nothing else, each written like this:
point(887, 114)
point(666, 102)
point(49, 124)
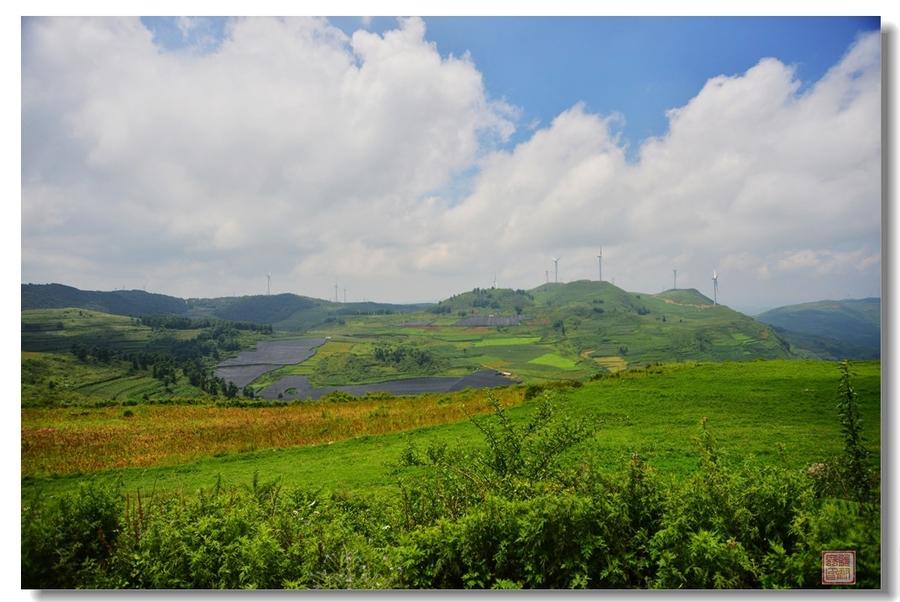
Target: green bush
point(69, 542)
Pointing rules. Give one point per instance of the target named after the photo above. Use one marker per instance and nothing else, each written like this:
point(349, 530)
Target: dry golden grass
point(64, 441)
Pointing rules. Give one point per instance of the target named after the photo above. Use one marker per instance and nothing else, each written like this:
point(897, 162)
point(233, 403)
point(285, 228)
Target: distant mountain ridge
point(124, 303)
point(849, 328)
point(285, 311)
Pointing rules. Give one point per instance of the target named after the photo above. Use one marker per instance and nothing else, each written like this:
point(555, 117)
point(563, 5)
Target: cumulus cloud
point(293, 148)
point(290, 141)
point(750, 176)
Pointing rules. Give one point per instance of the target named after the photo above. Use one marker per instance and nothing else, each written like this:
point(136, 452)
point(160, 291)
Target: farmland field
point(505, 341)
point(777, 412)
point(555, 360)
point(57, 330)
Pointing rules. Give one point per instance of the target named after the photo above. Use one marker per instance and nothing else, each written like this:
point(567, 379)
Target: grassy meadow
point(778, 412)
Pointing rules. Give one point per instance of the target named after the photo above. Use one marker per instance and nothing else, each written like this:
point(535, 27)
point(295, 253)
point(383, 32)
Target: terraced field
point(60, 379)
point(58, 329)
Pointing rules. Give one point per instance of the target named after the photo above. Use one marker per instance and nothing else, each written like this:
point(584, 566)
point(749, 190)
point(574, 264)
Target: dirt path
point(699, 306)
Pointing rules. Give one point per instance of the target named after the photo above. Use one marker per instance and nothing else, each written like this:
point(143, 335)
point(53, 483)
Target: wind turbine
point(674, 279)
point(556, 269)
point(269, 283)
point(336, 300)
point(600, 265)
point(547, 275)
point(715, 280)
point(495, 280)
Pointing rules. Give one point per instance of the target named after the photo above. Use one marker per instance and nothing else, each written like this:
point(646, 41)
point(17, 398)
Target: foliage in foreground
point(508, 516)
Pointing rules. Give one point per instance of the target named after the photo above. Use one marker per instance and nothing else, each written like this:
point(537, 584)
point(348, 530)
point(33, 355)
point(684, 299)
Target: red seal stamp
point(839, 567)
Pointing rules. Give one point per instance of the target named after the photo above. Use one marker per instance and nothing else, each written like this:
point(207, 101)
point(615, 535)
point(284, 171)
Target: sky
point(411, 159)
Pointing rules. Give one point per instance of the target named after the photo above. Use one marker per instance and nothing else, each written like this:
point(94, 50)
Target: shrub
point(69, 542)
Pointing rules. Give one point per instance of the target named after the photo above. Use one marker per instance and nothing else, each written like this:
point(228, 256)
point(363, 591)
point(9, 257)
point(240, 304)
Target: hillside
point(487, 301)
point(574, 328)
point(285, 311)
point(57, 330)
point(123, 303)
point(685, 296)
point(262, 309)
point(560, 330)
point(602, 321)
point(831, 329)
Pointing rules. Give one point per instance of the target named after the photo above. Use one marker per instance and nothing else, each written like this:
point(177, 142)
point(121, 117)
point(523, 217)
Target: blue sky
point(638, 67)
point(194, 156)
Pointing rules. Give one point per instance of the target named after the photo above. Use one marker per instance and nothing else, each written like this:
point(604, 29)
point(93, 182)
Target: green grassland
point(554, 360)
point(776, 412)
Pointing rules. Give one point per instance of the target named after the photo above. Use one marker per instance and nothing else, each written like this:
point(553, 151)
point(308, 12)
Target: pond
point(299, 387)
point(247, 366)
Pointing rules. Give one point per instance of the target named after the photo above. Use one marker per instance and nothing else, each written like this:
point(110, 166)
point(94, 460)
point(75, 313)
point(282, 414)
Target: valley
point(357, 404)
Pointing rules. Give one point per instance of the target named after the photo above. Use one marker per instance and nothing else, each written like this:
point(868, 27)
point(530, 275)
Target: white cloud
point(289, 140)
point(293, 148)
point(826, 262)
point(750, 173)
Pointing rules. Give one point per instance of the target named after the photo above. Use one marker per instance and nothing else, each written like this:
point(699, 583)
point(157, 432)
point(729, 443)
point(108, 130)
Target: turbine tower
point(269, 283)
point(600, 265)
point(547, 275)
point(336, 300)
point(495, 280)
point(715, 280)
point(674, 279)
point(556, 269)
point(345, 295)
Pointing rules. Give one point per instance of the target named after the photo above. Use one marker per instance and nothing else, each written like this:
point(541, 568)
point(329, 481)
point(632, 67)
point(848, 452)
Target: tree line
point(194, 357)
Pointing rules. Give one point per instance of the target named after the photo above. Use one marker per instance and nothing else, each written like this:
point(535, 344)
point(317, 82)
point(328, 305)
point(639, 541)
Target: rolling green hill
point(559, 330)
point(263, 309)
point(599, 320)
point(125, 303)
point(287, 311)
point(487, 300)
point(831, 329)
point(569, 330)
point(57, 330)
